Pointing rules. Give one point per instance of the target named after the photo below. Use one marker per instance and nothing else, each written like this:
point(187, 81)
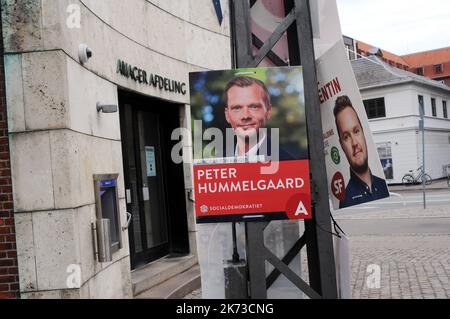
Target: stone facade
point(9, 271)
point(59, 141)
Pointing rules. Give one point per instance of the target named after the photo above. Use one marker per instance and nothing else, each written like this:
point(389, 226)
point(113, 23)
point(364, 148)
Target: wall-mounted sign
point(143, 77)
point(150, 160)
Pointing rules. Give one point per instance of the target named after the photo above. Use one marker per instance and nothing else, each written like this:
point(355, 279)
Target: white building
point(392, 98)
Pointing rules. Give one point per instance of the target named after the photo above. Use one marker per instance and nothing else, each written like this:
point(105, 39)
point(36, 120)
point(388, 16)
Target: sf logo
point(338, 186)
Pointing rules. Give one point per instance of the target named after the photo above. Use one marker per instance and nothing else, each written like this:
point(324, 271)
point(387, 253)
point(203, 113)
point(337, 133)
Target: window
point(419, 71)
point(444, 109)
point(433, 107)
point(375, 108)
point(421, 108)
point(437, 68)
point(350, 52)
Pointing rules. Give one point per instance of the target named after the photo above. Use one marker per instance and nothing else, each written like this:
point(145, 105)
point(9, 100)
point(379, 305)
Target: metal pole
point(256, 259)
point(318, 230)
point(422, 127)
point(235, 251)
point(423, 163)
point(235, 272)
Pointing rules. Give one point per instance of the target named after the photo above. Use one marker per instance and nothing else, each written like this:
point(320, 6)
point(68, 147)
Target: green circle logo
point(335, 156)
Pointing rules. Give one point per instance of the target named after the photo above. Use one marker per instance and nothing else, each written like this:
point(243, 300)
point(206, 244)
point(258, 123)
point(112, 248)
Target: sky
point(398, 26)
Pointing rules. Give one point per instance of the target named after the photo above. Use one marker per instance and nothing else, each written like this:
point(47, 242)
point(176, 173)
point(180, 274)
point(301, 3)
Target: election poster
point(354, 171)
point(250, 145)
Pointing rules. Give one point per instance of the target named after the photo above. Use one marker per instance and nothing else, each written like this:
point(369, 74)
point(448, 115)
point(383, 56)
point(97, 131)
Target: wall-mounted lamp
point(106, 108)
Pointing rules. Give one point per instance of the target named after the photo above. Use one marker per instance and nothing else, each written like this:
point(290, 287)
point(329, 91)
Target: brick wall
point(9, 274)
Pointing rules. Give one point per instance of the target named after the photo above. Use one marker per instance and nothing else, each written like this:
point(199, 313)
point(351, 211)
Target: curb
point(441, 185)
point(416, 189)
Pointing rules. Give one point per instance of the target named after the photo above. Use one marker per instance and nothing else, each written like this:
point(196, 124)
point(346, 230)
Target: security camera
point(106, 108)
point(84, 53)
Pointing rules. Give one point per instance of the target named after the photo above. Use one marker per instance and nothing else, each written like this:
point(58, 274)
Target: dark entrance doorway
point(154, 185)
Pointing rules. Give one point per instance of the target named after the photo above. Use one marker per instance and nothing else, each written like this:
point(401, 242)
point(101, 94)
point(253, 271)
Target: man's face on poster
point(246, 110)
point(352, 139)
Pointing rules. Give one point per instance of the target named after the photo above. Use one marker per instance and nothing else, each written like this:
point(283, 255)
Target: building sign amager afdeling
point(143, 77)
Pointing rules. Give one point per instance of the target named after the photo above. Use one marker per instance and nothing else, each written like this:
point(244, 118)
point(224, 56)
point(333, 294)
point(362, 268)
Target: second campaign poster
point(354, 171)
point(250, 145)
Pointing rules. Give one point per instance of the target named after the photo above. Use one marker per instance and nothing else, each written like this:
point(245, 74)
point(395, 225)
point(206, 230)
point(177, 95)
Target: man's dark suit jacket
point(358, 192)
point(266, 150)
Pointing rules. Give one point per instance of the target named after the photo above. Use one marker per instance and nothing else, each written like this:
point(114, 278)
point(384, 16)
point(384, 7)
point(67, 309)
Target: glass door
point(152, 182)
point(144, 184)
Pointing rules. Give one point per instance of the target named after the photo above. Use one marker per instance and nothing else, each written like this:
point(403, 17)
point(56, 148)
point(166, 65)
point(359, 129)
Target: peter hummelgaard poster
point(354, 171)
point(250, 145)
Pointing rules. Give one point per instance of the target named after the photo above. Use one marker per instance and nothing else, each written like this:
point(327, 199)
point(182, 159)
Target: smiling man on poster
point(363, 185)
point(247, 108)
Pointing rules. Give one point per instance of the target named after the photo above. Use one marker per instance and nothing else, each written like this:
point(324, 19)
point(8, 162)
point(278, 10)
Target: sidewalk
point(411, 266)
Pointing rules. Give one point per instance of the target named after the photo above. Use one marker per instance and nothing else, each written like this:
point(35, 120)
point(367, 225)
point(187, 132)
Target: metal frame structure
point(318, 233)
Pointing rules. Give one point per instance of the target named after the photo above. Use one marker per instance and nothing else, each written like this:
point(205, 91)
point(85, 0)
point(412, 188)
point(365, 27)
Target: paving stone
point(413, 266)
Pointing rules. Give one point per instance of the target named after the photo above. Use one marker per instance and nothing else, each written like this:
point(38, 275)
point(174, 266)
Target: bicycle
point(417, 176)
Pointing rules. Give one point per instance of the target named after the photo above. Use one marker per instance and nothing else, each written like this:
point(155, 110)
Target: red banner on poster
point(240, 189)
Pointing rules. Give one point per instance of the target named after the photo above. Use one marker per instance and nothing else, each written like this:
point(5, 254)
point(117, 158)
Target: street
point(396, 226)
point(401, 213)
point(409, 245)
point(401, 199)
